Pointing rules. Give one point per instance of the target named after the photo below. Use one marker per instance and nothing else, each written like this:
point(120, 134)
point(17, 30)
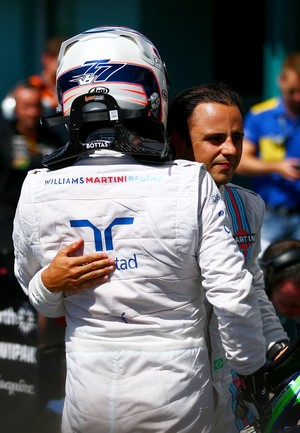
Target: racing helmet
point(112, 88)
point(286, 407)
point(120, 62)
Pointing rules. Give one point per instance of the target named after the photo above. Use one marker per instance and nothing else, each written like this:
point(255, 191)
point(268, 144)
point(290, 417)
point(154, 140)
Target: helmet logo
point(89, 98)
point(101, 90)
point(96, 70)
point(155, 101)
point(164, 95)
point(85, 79)
point(155, 104)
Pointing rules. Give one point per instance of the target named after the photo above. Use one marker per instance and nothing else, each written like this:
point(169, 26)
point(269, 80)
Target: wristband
point(272, 352)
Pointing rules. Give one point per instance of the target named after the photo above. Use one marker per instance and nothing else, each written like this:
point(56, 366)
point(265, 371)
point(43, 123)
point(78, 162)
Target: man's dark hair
point(183, 105)
point(53, 45)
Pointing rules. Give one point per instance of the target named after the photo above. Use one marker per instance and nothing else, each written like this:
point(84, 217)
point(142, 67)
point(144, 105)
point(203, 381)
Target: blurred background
point(240, 43)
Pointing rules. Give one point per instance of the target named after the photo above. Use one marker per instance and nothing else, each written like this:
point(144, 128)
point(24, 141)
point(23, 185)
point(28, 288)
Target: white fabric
point(272, 328)
point(136, 356)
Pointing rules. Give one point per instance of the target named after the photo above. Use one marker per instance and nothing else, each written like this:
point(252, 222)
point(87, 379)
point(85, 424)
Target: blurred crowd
point(271, 162)
point(32, 360)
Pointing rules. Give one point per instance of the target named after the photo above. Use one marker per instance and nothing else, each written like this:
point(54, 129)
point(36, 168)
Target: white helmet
point(113, 60)
point(122, 68)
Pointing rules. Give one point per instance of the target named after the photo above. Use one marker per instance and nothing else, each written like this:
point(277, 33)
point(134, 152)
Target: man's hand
point(244, 418)
point(70, 273)
point(254, 397)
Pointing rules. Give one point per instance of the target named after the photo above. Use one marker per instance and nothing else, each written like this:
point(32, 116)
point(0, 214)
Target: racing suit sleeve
point(272, 328)
point(48, 303)
point(229, 289)
point(28, 267)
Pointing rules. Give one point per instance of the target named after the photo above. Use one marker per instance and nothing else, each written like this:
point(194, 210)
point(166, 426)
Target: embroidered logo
point(218, 364)
point(244, 239)
point(240, 224)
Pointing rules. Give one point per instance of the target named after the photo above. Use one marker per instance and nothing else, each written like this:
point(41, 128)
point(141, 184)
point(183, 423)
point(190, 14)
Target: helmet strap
point(144, 149)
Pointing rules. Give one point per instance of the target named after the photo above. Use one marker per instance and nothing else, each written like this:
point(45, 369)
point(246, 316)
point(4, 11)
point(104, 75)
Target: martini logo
point(244, 239)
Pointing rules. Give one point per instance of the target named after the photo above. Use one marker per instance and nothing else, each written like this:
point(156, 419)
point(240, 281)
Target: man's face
point(28, 108)
point(216, 133)
point(50, 66)
point(286, 299)
point(290, 89)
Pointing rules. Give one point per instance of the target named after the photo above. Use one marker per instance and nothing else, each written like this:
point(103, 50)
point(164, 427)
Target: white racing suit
point(245, 209)
point(137, 359)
